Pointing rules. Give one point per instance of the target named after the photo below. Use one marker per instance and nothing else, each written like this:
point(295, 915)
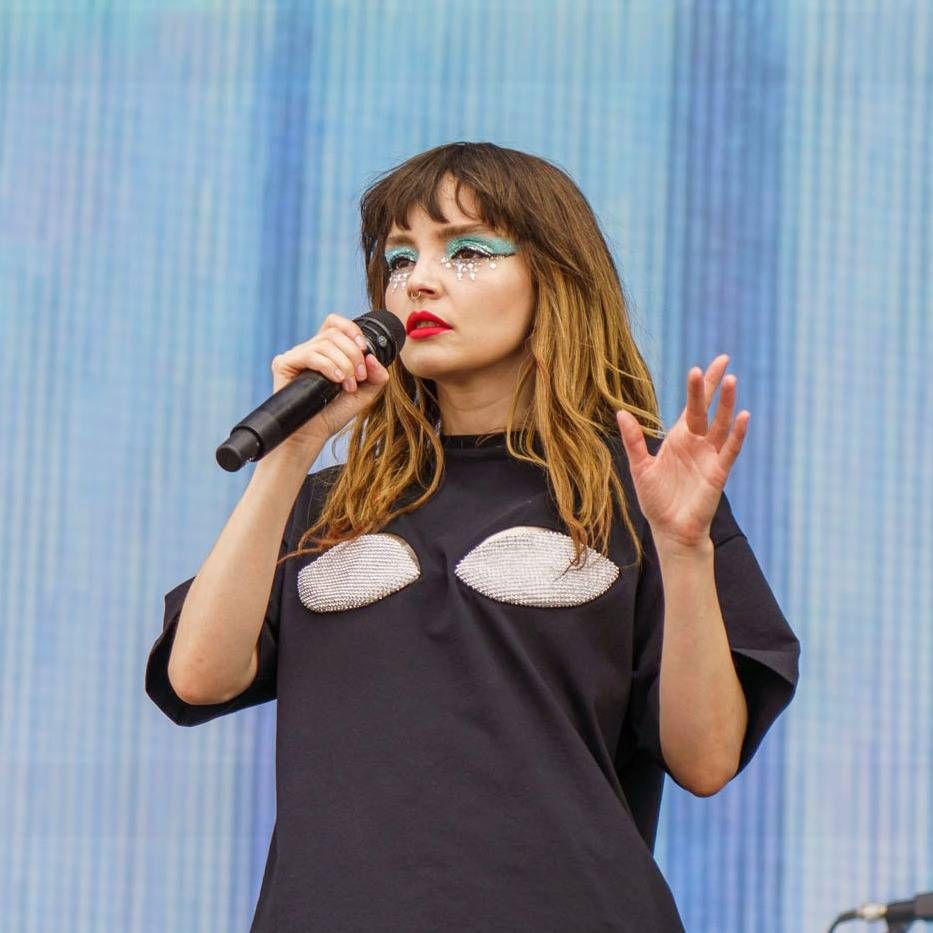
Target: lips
point(417, 316)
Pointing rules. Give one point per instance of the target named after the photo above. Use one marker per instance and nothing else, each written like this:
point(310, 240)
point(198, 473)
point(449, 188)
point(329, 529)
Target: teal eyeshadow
point(492, 245)
point(405, 251)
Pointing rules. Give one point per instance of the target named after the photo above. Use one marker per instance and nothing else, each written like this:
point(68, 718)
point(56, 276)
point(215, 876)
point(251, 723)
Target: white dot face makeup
point(464, 255)
point(473, 277)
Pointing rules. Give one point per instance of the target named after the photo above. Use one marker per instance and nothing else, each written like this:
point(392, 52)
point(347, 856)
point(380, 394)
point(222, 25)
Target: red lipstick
point(413, 330)
point(415, 318)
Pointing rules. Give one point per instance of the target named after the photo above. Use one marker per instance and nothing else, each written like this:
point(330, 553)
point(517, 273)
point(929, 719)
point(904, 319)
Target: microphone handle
point(295, 403)
point(276, 418)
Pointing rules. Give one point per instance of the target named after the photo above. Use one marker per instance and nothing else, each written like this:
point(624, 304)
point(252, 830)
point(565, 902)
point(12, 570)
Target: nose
point(423, 277)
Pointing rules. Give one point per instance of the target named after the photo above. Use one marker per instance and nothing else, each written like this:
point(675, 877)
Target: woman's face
point(476, 282)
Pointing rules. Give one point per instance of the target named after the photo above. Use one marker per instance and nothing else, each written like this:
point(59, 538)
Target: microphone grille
point(385, 333)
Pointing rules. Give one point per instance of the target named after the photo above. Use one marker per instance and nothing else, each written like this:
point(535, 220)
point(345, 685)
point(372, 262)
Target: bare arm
point(702, 704)
point(215, 653)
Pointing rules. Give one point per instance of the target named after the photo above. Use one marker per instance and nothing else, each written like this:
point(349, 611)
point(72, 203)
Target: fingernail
point(361, 371)
point(338, 374)
point(360, 342)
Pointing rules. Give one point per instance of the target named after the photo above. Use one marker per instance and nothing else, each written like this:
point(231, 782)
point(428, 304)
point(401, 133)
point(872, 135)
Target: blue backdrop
point(178, 203)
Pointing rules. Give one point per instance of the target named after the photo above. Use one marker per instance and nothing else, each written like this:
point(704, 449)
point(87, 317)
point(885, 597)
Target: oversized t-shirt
point(467, 731)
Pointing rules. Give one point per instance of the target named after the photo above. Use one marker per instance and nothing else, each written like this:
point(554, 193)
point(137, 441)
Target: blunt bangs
point(478, 167)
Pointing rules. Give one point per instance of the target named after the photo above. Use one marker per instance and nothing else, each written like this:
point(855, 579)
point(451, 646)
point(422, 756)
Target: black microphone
point(296, 403)
point(897, 912)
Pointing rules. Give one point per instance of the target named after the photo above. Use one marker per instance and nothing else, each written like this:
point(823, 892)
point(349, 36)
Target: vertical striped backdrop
point(178, 203)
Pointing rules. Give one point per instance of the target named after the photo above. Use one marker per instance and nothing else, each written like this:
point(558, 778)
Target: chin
point(423, 373)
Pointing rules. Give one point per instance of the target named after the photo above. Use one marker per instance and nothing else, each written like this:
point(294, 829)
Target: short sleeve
point(765, 650)
point(263, 688)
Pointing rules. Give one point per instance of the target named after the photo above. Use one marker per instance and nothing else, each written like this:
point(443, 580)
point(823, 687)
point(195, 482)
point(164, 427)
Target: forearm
point(703, 714)
point(218, 630)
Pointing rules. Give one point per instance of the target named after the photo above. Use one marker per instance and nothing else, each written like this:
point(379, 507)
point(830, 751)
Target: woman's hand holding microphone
point(338, 352)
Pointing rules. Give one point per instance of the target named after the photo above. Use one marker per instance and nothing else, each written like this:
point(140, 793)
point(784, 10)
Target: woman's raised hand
point(679, 488)
point(337, 351)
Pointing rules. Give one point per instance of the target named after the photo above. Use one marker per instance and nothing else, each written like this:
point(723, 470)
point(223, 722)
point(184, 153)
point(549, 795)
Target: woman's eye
point(478, 253)
point(395, 262)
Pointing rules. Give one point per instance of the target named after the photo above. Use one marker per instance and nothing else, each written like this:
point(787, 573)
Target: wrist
point(673, 548)
point(284, 465)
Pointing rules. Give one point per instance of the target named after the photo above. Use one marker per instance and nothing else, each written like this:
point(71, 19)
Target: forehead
point(436, 231)
point(457, 218)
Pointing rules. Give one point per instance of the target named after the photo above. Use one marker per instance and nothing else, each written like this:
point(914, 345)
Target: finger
point(378, 374)
point(633, 439)
point(288, 366)
point(713, 375)
point(732, 446)
point(719, 429)
point(351, 350)
point(306, 357)
point(695, 412)
point(330, 362)
point(327, 345)
point(348, 327)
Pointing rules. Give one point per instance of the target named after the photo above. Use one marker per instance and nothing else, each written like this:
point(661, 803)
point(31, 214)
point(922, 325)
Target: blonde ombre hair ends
point(583, 363)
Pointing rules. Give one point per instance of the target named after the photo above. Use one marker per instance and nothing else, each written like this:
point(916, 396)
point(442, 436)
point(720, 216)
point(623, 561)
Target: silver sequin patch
point(356, 573)
point(528, 566)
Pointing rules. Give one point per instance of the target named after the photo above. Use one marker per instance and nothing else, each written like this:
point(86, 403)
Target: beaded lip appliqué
point(356, 573)
point(529, 566)
point(522, 566)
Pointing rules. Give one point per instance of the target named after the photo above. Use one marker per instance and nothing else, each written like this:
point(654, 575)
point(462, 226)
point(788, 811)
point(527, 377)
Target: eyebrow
point(442, 233)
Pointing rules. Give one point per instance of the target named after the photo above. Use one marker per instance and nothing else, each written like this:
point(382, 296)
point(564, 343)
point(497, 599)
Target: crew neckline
point(489, 446)
point(471, 441)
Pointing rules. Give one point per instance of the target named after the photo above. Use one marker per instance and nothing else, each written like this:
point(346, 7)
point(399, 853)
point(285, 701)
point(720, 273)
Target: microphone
point(899, 913)
point(296, 403)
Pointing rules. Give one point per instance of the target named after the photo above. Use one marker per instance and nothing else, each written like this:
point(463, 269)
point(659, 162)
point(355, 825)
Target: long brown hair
point(578, 383)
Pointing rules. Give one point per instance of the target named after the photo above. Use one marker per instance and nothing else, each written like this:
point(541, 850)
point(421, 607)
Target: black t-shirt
point(467, 735)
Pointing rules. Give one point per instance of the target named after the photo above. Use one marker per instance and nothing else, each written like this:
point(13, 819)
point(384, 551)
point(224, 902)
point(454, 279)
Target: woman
point(464, 626)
